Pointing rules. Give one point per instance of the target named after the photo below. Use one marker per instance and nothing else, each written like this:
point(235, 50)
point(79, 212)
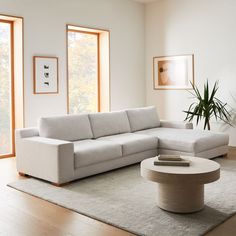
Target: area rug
point(124, 199)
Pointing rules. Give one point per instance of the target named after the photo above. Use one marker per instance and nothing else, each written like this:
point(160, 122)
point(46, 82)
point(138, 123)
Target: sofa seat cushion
point(187, 140)
point(143, 118)
point(109, 123)
point(67, 127)
point(133, 143)
point(88, 152)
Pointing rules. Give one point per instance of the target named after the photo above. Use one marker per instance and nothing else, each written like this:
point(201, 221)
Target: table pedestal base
point(181, 198)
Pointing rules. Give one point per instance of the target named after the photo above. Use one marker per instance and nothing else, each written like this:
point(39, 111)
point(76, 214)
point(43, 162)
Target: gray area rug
point(124, 199)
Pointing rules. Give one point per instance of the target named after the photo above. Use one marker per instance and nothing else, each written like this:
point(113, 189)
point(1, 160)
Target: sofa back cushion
point(143, 118)
point(68, 127)
point(104, 124)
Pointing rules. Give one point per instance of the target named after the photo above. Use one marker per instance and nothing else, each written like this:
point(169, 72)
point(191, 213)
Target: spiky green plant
point(207, 106)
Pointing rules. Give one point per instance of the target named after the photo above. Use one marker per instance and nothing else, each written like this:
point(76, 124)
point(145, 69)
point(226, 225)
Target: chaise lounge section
point(69, 147)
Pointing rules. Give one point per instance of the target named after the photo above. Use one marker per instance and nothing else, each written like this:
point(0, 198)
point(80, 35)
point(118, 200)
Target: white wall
point(45, 34)
point(203, 27)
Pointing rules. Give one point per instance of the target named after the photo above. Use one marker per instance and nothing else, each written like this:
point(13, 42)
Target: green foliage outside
point(82, 54)
point(5, 103)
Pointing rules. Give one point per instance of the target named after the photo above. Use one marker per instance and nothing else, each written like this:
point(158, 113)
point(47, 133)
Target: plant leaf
point(207, 106)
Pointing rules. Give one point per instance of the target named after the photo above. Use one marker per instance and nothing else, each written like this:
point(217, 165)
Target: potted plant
point(207, 106)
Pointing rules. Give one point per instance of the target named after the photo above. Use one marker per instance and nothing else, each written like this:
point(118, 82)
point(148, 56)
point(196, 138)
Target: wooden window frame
point(98, 66)
point(12, 89)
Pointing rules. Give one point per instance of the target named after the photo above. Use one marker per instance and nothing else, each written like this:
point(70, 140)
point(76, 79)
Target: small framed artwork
point(45, 75)
point(173, 72)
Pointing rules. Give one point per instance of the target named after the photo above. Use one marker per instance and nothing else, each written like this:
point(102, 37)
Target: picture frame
point(173, 72)
point(45, 75)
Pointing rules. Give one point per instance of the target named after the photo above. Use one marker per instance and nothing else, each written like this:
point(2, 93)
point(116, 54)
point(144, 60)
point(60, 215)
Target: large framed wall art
point(173, 72)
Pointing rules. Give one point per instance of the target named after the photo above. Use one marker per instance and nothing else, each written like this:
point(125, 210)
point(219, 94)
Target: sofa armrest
point(176, 124)
point(26, 132)
point(48, 159)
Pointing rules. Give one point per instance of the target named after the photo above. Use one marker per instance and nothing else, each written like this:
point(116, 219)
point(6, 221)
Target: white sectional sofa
point(69, 147)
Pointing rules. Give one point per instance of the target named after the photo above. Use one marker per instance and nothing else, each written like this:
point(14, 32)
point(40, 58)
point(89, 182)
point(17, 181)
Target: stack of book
point(171, 160)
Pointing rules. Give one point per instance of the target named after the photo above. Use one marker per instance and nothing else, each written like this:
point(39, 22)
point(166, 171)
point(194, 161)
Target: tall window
point(88, 69)
point(6, 89)
point(83, 68)
point(11, 82)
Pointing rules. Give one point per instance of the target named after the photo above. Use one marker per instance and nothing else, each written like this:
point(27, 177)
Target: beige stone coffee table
point(181, 189)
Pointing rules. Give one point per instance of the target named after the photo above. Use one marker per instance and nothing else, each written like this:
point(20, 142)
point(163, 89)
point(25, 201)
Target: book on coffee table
point(171, 161)
point(169, 157)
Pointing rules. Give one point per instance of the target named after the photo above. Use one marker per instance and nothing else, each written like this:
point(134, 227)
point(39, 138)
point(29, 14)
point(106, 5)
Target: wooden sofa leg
point(57, 185)
point(22, 174)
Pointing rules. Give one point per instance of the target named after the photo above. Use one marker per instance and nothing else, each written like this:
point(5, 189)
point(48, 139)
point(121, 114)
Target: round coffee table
point(181, 189)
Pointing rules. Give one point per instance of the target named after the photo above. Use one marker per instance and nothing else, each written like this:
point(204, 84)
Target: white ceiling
point(145, 1)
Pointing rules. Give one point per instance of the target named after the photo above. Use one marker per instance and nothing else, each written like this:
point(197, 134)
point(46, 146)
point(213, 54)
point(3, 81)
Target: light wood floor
point(23, 215)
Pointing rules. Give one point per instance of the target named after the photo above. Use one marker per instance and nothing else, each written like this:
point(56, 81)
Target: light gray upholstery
point(113, 164)
point(68, 127)
point(48, 159)
point(89, 152)
point(26, 132)
point(133, 143)
point(209, 154)
point(187, 140)
point(75, 146)
point(143, 118)
point(176, 124)
point(104, 124)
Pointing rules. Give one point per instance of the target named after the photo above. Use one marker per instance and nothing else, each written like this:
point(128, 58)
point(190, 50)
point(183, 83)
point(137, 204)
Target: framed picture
point(173, 72)
point(45, 75)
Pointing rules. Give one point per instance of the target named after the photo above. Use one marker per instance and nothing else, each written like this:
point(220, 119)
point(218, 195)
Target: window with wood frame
point(83, 65)
point(11, 82)
point(85, 73)
point(6, 88)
